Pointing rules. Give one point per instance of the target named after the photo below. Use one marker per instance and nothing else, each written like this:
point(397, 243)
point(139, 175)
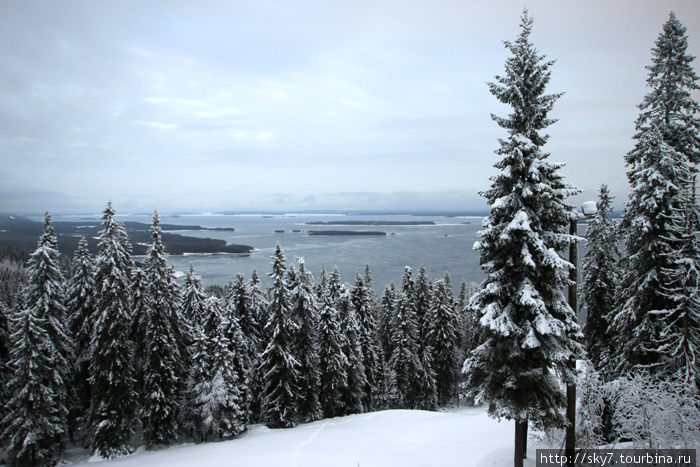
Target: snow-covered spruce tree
point(4, 357)
point(242, 333)
point(667, 149)
point(258, 305)
point(161, 358)
point(408, 286)
point(422, 298)
point(527, 325)
point(404, 359)
point(369, 284)
point(468, 325)
point(216, 389)
point(354, 391)
point(442, 336)
point(139, 307)
point(41, 361)
point(599, 280)
point(279, 364)
point(193, 296)
point(80, 307)
point(228, 389)
point(669, 103)
point(333, 362)
point(240, 355)
point(322, 284)
point(363, 305)
point(197, 412)
point(305, 312)
point(421, 301)
point(45, 291)
point(34, 423)
point(387, 307)
point(114, 401)
point(680, 333)
point(239, 303)
point(643, 299)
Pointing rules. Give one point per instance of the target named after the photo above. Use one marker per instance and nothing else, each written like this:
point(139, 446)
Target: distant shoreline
point(371, 223)
point(347, 232)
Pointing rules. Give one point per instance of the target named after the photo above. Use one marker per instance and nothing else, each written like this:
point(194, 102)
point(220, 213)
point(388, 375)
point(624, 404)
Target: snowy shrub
point(590, 393)
point(655, 413)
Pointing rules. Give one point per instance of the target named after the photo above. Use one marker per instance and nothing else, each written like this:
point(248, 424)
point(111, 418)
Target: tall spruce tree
point(4, 356)
point(240, 356)
point(162, 358)
point(404, 359)
point(369, 284)
point(421, 301)
point(353, 392)
point(243, 333)
point(527, 324)
point(363, 305)
point(387, 307)
point(139, 307)
point(322, 284)
point(468, 325)
point(258, 306)
point(239, 303)
point(41, 361)
point(279, 363)
point(34, 423)
point(442, 336)
point(333, 363)
point(193, 297)
point(422, 298)
point(216, 389)
point(600, 279)
point(114, 401)
point(680, 333)
point(80, 307)
point(662, 174)
point(304, 309)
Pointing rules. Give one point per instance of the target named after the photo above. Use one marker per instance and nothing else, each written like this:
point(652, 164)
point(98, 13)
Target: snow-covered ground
point(402, 438)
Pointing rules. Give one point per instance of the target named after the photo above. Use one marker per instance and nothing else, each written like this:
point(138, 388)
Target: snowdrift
point(401, 438)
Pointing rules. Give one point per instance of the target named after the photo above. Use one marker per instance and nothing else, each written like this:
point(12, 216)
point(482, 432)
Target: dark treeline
point(118, 348)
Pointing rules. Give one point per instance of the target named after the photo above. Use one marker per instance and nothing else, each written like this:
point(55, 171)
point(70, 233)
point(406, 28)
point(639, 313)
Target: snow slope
point(402, 438)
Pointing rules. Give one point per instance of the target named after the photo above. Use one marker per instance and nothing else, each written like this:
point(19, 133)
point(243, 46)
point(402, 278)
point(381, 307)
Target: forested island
point(21, 233)
point(371, 223)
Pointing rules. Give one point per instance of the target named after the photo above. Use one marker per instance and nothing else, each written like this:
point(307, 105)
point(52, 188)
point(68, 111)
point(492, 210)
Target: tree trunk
point(571, 419)
point(518, 454)
point(524, 428)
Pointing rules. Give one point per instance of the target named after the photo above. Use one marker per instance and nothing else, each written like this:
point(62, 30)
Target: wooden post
point(570, 444)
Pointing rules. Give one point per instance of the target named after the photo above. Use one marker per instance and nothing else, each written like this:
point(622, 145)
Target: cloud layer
point(224, 105)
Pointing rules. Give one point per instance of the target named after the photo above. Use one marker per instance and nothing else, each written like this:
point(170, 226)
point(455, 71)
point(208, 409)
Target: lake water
point(446, 246)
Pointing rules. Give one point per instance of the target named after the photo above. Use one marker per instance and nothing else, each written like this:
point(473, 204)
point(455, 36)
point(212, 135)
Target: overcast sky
point(290, 105)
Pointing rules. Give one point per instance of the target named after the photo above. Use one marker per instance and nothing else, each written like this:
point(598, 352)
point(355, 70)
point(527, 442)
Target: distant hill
point(21, 233)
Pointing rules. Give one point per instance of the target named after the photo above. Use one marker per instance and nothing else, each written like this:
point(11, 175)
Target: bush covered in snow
point(655, 413)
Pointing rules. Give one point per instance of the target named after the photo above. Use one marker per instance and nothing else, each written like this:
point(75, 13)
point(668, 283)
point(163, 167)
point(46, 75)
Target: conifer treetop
point(670, 103)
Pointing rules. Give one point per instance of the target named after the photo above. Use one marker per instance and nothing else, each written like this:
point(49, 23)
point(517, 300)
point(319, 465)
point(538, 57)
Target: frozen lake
point(445, 246)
